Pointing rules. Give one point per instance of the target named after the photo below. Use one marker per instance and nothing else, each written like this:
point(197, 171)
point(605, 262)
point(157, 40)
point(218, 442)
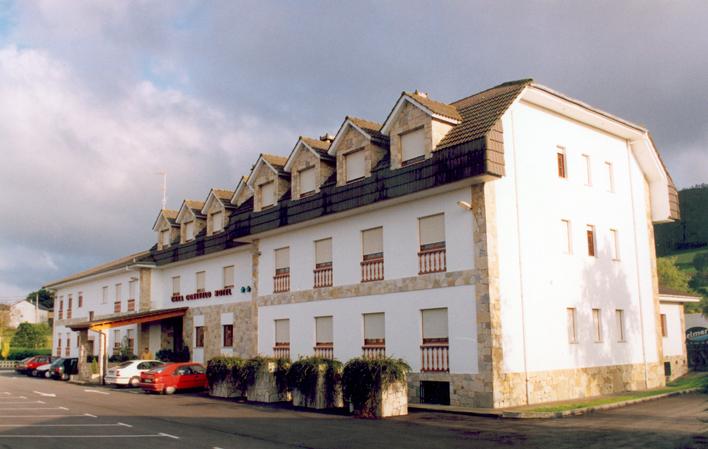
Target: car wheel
point(34, 373)
point(170, 390)
point(47, 375)
point(134, 381)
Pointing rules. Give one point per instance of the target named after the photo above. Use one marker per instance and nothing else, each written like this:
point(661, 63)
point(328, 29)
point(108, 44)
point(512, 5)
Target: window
point(586, 166)
point(619, 318)
point(81, 299)
point(664, 328)
point(228, 331)
point(572, 325)
point(217, 221)
point(61, 309)
point(201, 281)
point(132, 289)
point(282, 260)
point(199, 336)
point(189, 231)
point(374, 329)
point(165, 237)
point(590, 233)
point(323, 253)
point(116, 339)
point(282, 332)
point(614, 244)
point(68, 309)
point(435, 325)
point(432, 232)
point(119, 292)
point(560, 157)
point(372, 243)
point(597, 325)
point(413, 146)
point(130, 336)
point(229, 276)
point(610, 177)
point(175, 285)
point(566, 237)
point(104, 295)
point(324, 331)
point(307, 181)
point(268, 194)
point(354, 164)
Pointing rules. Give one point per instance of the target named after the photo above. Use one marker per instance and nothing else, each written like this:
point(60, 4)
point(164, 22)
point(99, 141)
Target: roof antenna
point(164, 189)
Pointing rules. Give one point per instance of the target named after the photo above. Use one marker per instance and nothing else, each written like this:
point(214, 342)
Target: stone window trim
point(664, 326)
point(305, 193)
point(417, 159)
point(621, 334)
point(588, 170)
point(198, 336)
point(597, 325)
point(572, 317)
point(354, 151)
point(228, 335)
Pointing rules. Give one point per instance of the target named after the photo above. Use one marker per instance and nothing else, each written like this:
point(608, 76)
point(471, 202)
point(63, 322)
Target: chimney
point(421, 94)
point(327, 137)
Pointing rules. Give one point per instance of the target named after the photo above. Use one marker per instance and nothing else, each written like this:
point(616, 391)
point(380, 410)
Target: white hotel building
point(501, 244)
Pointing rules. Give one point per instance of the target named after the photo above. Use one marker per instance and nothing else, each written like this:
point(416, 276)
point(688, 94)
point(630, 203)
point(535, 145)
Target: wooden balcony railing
point(281, 351)
point(68, 314)
point(116, 307)
point(61, 314)
point(281, 283)
point(432, 261)
point(435, 357)
point(324, 350)
point(372, 270)
point(373, 351)
point(323, 277)
point(131, 305)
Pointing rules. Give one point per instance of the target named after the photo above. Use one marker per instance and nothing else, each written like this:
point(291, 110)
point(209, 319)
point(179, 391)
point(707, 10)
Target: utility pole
point(36, 307)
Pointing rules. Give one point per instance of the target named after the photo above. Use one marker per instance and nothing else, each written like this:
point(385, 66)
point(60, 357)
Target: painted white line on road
point(65, 425)
point(96, 391)
point(24, 402)
point(34, 408)
point(151, 435)
point(49, 395)
point(90, 415)
point(124, 424)
point(48, 416)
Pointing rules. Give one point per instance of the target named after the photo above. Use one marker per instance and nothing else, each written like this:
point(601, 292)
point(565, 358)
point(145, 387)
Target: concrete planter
point(265, 387)
point(224, 389)
point(322, 399)
point(389, 401)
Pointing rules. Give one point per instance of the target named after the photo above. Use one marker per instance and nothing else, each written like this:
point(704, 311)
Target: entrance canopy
point(125, 320)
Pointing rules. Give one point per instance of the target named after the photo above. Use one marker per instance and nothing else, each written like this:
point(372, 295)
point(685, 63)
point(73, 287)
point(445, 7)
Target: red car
point(29, 366)
point(174, 376)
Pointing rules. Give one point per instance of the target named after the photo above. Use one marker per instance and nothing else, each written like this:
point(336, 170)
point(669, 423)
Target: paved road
point(38, 413)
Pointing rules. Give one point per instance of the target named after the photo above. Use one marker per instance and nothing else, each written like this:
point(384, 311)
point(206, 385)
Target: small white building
point(24, 311)
point(502, 244)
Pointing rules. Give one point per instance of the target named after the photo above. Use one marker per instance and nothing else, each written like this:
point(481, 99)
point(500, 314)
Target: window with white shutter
point(324, 331)
point(217, 221)
point(432, 232)
point(354, 164)
point(165, 237)
point(201, 281)
point(267, 194)
point(132, 289)
point(374, 329)
point(323, 253)
point(413, 146)
point(572, 325)
point(282, 332)
point(372, 243)
point(282, 260)
point(307, 181)
point(566, 240)
point(435, 325)
point(229, 276)
point(189, 232)
point(175, 286)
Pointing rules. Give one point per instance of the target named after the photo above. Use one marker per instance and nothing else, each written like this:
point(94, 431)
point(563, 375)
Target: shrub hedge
point(363, 379)
point(23, 353)
point(304, 372)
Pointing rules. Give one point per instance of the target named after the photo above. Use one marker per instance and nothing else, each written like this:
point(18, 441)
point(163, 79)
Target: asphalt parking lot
point(40, 413)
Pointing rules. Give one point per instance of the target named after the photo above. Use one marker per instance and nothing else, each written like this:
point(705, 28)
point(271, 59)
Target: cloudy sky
point(96, 97)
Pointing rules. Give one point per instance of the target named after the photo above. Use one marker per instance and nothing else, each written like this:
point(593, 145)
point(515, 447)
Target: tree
point(31, 336)
point(46, 298)
point(670, 275)
point(700, 262)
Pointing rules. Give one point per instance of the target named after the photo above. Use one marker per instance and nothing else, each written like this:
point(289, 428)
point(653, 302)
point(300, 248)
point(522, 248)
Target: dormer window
point(413, 146)
point(217, 220)
point(268, 194)
point(307, 181)
point(189, 231)
point(354, 164)
point(165, 237)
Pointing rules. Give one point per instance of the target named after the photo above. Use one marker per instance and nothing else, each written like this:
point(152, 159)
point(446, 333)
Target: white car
point(128, 373)
point(42, 371)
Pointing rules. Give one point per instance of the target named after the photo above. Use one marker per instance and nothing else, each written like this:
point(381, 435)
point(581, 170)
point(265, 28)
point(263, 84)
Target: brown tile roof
point(276, 161)
point(373, 129)
point(223, 194)
point(663, 290)
point(195, 205)
point(444, 109)
point(169, 214)
point(480, 111)
point(319, 146)
point(108, 266)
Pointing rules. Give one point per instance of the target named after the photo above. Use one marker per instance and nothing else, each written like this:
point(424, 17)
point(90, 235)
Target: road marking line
point(34, 408)
point(66, 425)
point(48, 416)
point(24, 402)
point(152, 435)
point(124, 424)
point(96, 391)
point(49, 395)
point(90, 415)
point(168, 435)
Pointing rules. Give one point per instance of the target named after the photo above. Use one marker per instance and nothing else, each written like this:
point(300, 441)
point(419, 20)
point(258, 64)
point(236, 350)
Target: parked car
point(30, 364)
point(43, 370)
point(128, 373)
point(174, 376)
point(64, 370)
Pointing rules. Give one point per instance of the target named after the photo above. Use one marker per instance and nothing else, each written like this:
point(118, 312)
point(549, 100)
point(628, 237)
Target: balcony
point(435, 356)
point(324, 350)
point(281, 282)
point(67, 351)
point(373, 349)
point(323, 275)
point(281, 350)
point(372, 269)
point(68, 314)
point(131, 305)
point(116, 307)
point(61, 314)
point(432, 260)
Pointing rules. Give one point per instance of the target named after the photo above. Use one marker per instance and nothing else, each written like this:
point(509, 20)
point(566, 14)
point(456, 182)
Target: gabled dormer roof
point(436, 109)
point(222, 196)
point(272, 162)
point(166, 215)
point(317, 147)
point(370, 130)
point(242, 184)
point(190, 209)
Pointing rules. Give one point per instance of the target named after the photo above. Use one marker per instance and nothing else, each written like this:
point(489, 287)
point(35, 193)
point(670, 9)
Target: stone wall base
point(224, 389)
point(466, 390)
point(265, 388)
point(679, 366)
point(393, 401)
point(320, 399)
